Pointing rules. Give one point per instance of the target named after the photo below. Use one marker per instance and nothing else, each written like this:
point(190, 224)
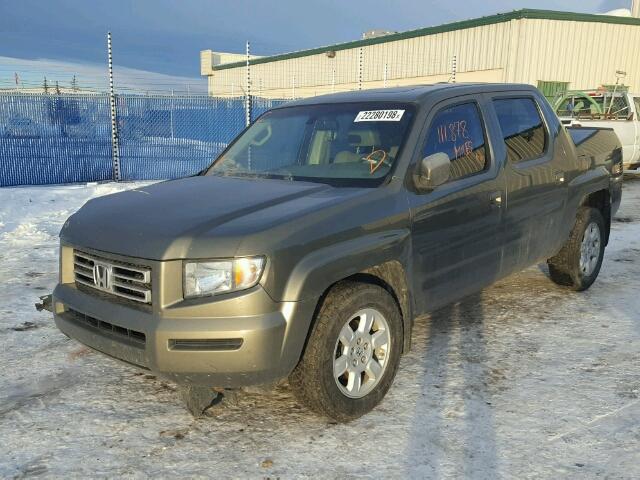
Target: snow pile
point(25, 233)
point(522, 380)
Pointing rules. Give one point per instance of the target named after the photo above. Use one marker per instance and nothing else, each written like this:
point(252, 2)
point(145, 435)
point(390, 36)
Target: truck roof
point(411, 93)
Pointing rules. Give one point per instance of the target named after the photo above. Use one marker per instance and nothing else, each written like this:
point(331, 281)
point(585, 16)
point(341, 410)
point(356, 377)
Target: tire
point(569, 267)
point(316, 381)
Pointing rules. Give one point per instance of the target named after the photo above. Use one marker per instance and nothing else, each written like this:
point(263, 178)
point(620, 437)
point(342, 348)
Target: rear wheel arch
point(578, 263)
point(601, 201)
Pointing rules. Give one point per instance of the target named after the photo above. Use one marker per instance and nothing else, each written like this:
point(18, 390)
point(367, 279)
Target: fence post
point(454, 68)
point(360, 52)
point(115, 148)
point(247, 102)
point(171, 114)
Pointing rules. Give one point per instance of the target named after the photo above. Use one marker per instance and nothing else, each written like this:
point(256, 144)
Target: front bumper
point(230, 341)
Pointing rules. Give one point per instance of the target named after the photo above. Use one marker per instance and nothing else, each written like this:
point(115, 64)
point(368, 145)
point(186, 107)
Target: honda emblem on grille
point(102, 276)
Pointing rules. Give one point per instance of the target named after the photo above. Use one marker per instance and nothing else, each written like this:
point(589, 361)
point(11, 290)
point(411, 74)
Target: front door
point(456, 233)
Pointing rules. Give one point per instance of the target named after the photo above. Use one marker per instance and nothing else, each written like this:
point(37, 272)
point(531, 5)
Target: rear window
point(522, 128)
point(458, 132)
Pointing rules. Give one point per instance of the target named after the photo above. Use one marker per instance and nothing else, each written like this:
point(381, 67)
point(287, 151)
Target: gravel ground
point(522, 380)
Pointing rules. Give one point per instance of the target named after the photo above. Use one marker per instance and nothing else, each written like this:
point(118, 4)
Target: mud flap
point(198, 399)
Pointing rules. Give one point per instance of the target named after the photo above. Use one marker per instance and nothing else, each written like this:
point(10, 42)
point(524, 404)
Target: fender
point(580, 188)
point(315, 272)
point(384, 254)
point(589, 182)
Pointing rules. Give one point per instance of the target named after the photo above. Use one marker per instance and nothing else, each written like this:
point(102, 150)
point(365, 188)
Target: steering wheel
point(374, 162)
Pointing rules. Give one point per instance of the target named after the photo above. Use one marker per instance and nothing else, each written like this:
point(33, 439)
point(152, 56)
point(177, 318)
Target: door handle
point(495, 199)
point(558, 176)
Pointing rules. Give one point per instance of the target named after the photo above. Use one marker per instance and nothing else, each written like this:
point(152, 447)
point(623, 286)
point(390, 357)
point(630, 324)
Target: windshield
point(353, 144)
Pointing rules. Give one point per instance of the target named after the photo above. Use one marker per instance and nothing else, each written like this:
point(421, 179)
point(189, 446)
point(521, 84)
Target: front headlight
point(221, 276)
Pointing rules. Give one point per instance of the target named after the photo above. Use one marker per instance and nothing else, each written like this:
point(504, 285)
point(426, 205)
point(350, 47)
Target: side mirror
point(432, 171)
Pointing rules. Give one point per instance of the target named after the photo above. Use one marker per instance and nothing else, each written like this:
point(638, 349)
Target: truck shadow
point(453, 432)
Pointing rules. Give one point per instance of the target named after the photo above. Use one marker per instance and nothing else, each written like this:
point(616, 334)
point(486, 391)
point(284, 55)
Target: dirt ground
point(523, 380)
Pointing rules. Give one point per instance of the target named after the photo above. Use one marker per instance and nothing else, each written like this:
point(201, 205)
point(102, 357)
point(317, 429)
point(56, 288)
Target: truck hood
point(196, 217)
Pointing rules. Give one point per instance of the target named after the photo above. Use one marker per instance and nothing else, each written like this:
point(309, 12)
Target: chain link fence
point(67, 138)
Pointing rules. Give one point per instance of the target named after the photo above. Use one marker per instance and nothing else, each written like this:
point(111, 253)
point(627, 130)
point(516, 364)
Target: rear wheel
point(578, 263)
point(352, 354)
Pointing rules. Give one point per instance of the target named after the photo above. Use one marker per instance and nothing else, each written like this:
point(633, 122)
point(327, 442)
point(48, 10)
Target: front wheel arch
point(313, 381)
point(392, 277)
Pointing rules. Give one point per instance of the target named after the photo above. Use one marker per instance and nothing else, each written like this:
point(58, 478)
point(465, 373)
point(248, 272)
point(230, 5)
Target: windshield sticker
point(379, 116)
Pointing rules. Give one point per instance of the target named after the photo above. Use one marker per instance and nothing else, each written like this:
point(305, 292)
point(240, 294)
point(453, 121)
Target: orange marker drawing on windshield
point(372, 162)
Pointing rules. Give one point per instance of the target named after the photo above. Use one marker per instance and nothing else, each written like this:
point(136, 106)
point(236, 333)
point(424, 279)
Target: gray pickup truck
point(309, 246)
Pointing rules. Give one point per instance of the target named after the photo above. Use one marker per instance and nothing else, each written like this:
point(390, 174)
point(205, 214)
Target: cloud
point(607, 5)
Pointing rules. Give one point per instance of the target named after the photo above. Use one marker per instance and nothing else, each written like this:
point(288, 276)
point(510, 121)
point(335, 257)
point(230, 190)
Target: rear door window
point(523, 130)
point(458, 131)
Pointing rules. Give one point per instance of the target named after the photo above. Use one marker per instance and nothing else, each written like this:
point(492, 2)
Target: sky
point(67, 37)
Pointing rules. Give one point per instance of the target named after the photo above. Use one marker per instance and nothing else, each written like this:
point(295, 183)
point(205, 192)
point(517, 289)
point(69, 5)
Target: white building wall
point(586, 54)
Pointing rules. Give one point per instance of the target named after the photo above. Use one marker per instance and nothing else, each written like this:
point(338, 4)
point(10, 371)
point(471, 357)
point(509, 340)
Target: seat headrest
point(364, 138)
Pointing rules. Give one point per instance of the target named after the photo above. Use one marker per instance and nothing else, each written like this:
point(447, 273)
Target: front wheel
point(578, 263)
point(352, 354)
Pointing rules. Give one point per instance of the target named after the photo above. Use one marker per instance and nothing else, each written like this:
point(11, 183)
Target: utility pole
point(115, 149)
point(45, 86)
point(57, 88)
point(74, 84)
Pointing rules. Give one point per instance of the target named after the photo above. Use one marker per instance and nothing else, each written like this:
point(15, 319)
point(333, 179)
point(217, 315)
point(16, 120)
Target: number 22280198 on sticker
point(379, 116)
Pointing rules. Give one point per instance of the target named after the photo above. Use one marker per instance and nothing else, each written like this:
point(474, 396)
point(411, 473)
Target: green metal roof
point(448, 27)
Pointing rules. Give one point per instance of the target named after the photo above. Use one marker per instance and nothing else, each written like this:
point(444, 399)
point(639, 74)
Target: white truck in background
point(605, 108)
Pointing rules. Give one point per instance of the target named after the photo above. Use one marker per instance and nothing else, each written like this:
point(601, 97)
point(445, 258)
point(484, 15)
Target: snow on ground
point(523, 380)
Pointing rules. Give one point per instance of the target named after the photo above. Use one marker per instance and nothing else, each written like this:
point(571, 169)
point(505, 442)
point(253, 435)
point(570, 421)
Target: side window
point(636, 100)
point(522, 128)
point(458, 132)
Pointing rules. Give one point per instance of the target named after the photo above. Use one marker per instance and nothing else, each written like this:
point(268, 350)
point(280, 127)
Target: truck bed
point(599, 144)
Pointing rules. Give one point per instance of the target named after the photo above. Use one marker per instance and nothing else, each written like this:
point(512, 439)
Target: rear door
point(456, 231)
point(536, 171)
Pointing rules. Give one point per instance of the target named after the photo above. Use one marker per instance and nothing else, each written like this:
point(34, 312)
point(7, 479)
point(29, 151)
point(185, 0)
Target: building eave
point(448, 27)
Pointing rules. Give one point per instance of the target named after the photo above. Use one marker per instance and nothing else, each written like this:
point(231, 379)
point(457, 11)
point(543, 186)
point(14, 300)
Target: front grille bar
point(132, 282)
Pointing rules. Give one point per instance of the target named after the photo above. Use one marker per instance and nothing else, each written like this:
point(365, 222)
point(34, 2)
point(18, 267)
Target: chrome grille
point(118, 278)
